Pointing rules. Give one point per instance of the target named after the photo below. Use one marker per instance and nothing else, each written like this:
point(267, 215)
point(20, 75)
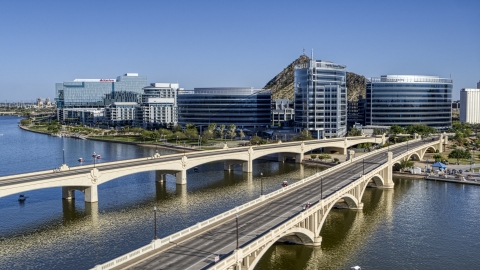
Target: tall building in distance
point(245, 107)
point(321, 98)
point(406, 100)
point(470, 105)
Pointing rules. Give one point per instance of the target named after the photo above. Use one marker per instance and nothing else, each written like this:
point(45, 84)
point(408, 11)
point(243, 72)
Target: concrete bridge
point(87, 178)
point(238, 238)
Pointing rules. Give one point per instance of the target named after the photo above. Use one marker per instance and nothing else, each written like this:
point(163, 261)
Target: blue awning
point(439, 165)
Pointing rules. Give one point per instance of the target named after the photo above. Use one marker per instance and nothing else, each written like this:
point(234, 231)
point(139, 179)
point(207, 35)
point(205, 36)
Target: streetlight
point(363, 161)
point(94, 158)
point(177, 140)
point(321, 187)
point(236, 219)
point(261, 183)
point(155, 221)
point(63, 156)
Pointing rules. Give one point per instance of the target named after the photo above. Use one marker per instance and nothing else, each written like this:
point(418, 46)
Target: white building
point(121, 113)
point(159, 105)
point(470, 105)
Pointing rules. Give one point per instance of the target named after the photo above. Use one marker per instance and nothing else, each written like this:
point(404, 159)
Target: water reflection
point(417, 225)
point(84, 233)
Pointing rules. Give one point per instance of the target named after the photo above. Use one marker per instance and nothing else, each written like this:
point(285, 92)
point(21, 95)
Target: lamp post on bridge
point(63, 156)
point(236, 219)
point(261, 184)
point(155, 221)
point(321, 188)
point(94, 158)
point(363, 161)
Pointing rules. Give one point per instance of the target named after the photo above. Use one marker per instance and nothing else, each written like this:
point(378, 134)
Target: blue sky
point(231, 43)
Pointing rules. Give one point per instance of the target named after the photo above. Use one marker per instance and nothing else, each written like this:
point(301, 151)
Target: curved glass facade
point(244, 107)
point(407, 100)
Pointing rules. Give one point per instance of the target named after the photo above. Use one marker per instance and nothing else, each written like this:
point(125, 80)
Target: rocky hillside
point(356, 86)
point(282, 84)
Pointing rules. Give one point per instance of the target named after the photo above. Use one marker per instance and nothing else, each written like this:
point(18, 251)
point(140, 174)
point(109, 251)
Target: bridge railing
point(156, 244)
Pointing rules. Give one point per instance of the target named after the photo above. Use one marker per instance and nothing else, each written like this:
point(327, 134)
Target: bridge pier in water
point(181, 177)
point(91, 192)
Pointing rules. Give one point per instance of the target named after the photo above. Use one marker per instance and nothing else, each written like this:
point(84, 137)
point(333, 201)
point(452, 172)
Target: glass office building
point(244, 107)
point(321, 99)
point(408, 100)
point(96, 93)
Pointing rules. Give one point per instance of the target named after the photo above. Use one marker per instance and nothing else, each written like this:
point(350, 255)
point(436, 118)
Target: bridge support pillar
point(247, 166)
point(68, 193)
point(299, 158)
point(160, 176)
point(317, 241)
point(350, 154)
point(181, 177)
point(91, 194)
point(388, 172)
point(359, 207)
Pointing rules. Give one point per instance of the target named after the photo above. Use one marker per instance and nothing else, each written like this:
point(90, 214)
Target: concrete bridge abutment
point(181, 177)
point(91, 192)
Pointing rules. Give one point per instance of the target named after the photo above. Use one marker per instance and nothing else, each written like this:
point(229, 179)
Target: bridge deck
point(198, 251)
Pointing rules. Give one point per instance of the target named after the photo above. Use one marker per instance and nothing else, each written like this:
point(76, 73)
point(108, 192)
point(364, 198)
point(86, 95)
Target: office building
point(282, 113)
point(83, 115)
point(470, 105)
point(406, 100)
point(242, 106)
point(98, 93)
point(321, 98)
point(356, 112)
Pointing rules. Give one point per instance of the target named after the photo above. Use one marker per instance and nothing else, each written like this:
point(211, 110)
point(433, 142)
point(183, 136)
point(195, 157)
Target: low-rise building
point(470, 105)
point(244, 107)
point(283, 113)
point(406, 100)
point(159, 106)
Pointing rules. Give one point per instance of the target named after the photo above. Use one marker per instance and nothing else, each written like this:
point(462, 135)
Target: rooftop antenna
point(312, 54)
point(303, 51)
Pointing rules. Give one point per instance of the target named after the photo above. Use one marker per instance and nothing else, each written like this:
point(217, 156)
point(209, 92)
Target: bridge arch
point(415, 157)
point(305, 235)
point(350, 200)
point(378, 180)
point(431, 148)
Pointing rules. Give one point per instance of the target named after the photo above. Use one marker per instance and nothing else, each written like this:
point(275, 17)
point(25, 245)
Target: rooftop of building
point(410, 79)
point(225, 91)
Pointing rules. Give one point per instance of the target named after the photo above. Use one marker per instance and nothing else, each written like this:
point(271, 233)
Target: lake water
point(417, 225)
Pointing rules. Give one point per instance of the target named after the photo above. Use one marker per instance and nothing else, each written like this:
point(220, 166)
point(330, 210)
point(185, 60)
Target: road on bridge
point(199, 251)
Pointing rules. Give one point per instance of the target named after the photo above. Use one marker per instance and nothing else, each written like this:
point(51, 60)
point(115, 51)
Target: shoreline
point(172, 147)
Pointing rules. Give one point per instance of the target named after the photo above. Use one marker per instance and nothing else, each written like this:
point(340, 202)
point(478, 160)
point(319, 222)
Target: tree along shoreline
point(166, 146)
